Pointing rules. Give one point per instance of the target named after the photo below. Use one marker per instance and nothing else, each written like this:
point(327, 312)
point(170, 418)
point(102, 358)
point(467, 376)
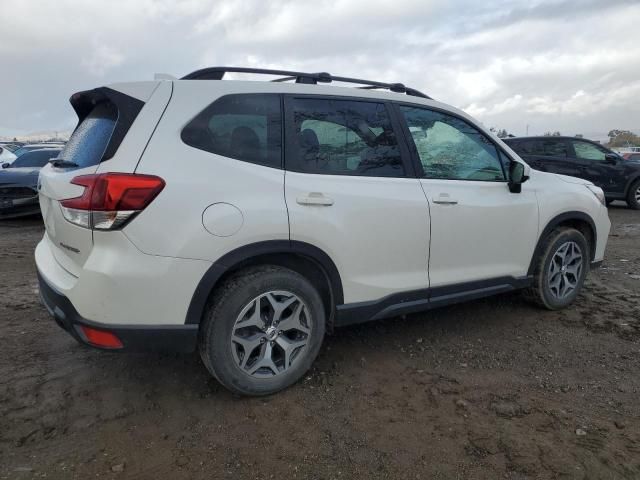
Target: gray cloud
point(554, 65)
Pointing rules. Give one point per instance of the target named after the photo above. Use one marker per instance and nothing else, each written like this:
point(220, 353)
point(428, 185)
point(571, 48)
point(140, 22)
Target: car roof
point(547, 137)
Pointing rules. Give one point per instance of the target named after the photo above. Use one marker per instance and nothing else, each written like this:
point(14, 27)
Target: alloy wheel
point(271, 334)
point(565, 270)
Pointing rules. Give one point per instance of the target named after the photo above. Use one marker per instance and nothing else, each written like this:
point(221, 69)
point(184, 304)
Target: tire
point(633, 196)
point(291, 319)
point(559, 293)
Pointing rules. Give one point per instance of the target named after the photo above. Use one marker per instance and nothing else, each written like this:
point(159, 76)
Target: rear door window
point(550, 148)
point(341, 137)
point(90, 139)
point(245, 127)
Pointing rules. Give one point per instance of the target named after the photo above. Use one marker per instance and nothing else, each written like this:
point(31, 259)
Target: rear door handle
point(315, 198)
point(445, 199)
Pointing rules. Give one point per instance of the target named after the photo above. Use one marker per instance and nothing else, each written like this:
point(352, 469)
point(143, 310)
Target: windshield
point(37, 158)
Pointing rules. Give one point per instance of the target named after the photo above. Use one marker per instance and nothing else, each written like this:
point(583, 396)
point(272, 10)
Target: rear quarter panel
point(195, 179)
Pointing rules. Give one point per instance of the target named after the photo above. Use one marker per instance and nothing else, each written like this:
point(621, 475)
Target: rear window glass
point(547, 148)
point(37, 158)
point(90, 139)
point(244, 127)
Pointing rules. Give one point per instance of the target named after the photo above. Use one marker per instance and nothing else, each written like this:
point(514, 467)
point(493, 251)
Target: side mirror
point(611, 158)
point(516, 177)
point(5, 165)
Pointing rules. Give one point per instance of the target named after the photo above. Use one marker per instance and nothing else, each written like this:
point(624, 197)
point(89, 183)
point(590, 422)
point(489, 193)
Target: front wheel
point(561, 269)
point(262, 331)
point(633, 197)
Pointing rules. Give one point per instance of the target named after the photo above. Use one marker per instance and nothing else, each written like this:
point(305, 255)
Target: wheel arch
point(302, 257)
point(580, 221)
point(630, 182)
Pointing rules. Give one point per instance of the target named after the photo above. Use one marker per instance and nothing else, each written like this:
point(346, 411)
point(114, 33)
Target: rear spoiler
point(126, 106)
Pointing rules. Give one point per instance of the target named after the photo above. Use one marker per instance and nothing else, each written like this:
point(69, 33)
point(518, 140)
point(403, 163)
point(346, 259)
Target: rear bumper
point(20, 208)
point(134, 338)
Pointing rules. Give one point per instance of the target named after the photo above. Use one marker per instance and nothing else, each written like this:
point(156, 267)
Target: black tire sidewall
point(222, 319)
point(631, 197)
point(562, 237)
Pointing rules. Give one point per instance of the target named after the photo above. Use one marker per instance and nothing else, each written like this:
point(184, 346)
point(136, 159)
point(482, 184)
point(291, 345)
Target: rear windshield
point(90, 139)
point(37, 158)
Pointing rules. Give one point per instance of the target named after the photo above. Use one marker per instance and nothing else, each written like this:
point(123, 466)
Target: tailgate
point(105, 117)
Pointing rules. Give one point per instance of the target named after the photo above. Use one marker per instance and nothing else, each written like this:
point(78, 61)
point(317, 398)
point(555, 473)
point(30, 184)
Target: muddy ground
point(490, 389)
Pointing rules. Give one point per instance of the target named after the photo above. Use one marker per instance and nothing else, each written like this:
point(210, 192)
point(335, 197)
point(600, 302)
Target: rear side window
point(89, 140)
point(342, 137)
point(244, 127)
point(551, 148)
point(545, 148)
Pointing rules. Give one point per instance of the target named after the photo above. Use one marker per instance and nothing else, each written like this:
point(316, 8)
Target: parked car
point(18, 183)
point(631, 156)
point(170, 222)
point(12, 147)
point(36, 146)
point(6, 156)
point(577, 157)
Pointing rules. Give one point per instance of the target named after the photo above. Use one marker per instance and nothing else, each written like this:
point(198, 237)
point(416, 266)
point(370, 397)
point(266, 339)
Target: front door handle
point(315, 198)
point(445, 199)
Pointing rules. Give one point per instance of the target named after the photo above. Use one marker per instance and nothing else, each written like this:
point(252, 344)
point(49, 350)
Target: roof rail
point(217, 73)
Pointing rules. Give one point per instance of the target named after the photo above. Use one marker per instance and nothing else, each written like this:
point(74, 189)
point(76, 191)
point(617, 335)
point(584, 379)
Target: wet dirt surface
point(490, 389)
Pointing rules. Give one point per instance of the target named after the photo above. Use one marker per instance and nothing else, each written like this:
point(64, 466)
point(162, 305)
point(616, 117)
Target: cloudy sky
point(572, 66)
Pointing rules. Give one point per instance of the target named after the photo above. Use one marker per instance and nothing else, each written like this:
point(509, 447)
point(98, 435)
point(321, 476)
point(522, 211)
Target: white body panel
point(376, 230)
point(6, 156)
point(120, 285)
point(484, 232)
point(197, 179)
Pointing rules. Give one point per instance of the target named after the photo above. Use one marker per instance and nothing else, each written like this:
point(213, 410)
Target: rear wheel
point(633, 197)
point(561, 269)
point(262, 331)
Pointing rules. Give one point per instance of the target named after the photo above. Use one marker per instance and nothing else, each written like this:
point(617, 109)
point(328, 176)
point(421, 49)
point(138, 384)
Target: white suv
point(248, 218)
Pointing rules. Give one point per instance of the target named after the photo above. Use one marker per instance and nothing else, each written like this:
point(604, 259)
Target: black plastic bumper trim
point(425, 299)
point(135, 338)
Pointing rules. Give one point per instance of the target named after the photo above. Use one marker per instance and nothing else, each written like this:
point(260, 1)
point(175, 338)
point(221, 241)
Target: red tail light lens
point(101, 338)
point(110, 199)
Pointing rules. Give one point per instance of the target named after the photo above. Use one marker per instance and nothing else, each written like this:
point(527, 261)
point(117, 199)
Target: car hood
point(21, 176)
point(576, 180)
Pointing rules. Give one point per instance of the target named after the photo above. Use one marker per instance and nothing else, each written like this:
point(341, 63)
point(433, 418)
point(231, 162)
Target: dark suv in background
point(577, 157)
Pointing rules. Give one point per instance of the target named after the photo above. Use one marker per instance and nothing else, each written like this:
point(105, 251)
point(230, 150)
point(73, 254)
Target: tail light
point(110, 200)
point(101, 338)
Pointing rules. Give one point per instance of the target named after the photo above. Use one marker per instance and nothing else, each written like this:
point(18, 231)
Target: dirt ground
point(489, 389)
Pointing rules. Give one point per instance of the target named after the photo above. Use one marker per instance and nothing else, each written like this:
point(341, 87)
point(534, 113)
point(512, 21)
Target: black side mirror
point(5, 165)
point(516, 177)
point(611, 158)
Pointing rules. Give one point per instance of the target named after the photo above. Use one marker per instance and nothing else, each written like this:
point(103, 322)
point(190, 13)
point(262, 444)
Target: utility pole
point(527, 129)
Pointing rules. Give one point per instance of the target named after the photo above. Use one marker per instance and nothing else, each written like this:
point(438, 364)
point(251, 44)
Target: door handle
point(315, 198)
point(445, 199)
